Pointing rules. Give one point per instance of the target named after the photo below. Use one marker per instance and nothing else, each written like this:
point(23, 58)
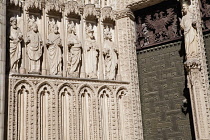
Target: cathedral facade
point(104, 70)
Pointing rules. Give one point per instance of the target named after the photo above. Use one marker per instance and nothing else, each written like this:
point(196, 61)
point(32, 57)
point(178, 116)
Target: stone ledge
point(12, 76)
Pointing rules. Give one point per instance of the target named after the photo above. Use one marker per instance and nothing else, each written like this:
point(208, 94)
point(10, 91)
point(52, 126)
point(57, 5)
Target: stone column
point(197, 75)
point(2, 65)
point(128, 69)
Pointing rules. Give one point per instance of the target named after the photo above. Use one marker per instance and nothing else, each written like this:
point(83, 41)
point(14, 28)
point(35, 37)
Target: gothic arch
point(46, 105)
point(121, 109)
point(68, 106)
point(22, 96)
point(87, 87)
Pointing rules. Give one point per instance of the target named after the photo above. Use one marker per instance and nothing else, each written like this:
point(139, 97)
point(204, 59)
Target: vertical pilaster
point(198, 82)
point(2, 65)
point(128, 70)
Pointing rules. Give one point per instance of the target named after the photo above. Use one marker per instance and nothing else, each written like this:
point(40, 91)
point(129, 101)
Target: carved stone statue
point(110, 56)
point(188, 24)
point(34, 49)
point(15, 45)
point(74, 52)
point(54, 54)
point(91, 53)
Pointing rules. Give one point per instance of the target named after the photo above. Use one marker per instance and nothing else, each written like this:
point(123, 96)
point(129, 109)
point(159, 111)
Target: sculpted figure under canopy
point(110, 56)
point(54, 54)
point(188, 24)
point(15, 45)
point(91, 53)
point(34, 49)
point(75, 52)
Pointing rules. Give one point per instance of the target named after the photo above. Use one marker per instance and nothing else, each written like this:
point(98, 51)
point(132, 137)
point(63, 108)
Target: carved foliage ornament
point(54, 6)
point(107, 14)
point(91, 12)
point(33, 4)
point(72, 8)
point(159, 25)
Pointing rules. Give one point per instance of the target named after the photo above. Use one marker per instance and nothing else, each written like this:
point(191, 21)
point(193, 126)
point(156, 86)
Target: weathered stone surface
point(162, 85)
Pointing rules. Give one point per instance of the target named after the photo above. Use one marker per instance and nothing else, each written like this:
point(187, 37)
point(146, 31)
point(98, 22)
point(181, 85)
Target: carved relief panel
point(158, 25)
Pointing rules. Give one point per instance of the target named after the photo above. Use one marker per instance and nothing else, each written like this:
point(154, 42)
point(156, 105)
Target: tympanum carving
point(15, 38)
point(74, 51)
point(54, 54)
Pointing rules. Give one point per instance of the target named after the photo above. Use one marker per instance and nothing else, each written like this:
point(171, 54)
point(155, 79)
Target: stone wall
point(163, 89)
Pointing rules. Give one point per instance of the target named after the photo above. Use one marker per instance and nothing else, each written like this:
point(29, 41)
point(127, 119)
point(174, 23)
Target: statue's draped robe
point(15, 47)
point(110, 60)
point(190, 36)
point(91, 58)
point(34, 51)
point(54, 54)
point(75, 54)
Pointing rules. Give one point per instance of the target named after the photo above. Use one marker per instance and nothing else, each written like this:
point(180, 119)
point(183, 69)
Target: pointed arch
point(22, 95)
point(46, 107)
point(67, 110)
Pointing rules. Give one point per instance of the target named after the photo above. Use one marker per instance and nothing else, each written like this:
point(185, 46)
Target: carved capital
point(125, 13)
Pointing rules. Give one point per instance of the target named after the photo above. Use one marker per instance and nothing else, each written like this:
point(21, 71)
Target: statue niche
point(110, 55)
point(15, 39)
point(54, 54)
point(34, 48)
point(74, 52)
point(188, 24)
point(91, 53)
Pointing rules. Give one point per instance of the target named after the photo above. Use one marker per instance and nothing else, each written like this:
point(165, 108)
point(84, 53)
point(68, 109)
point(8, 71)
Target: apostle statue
point(54, 54)
point(91, 53)
point(110, 56)
point(15, 45)
point(34, 49)
point(74, 52)
point(188, 24)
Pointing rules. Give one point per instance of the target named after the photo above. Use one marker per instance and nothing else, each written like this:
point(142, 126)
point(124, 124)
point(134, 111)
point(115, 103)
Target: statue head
point(90, 31)
point(35, 27)
point(185, 7)
point(55, 28)
point(107, 33)
point(71, 28)
point(13, 22)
